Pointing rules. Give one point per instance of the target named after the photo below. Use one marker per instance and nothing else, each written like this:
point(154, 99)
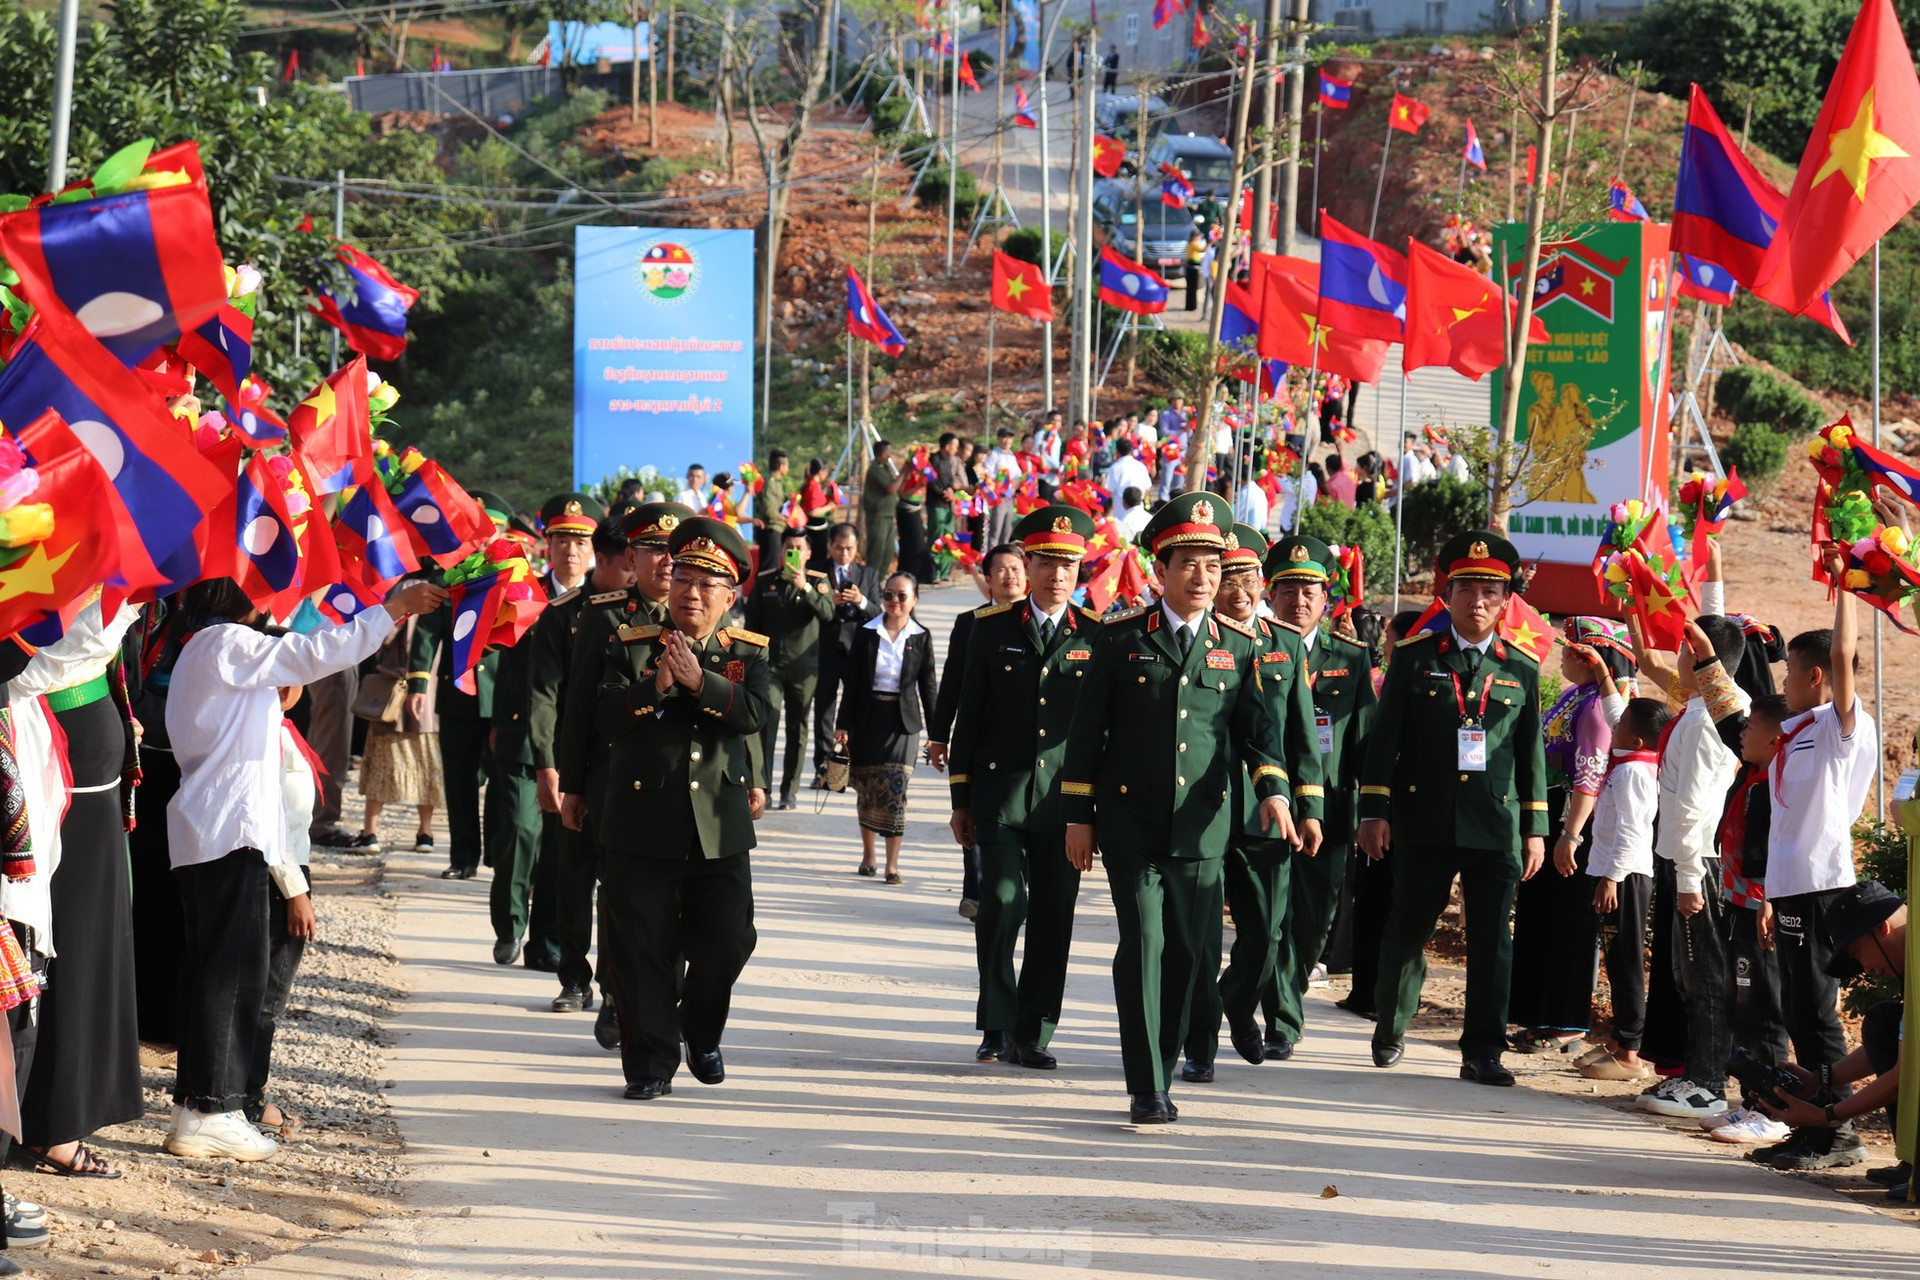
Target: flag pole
point(987, 417)
point(1879, 671)
point(339, 234)
point(1306, 437)
point(1400, 498)
point(1319, 118)
point(953, 134)
point(62, 95)
point(1460, 197)
point(1381, 185)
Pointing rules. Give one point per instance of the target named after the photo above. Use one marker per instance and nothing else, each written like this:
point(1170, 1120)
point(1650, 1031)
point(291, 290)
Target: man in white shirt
point(1127, 471)
point(1820, 776)
point(1250, 508)
point(1133, 515)
point(696, 494)
point(1290, 485)
point(1002, 468)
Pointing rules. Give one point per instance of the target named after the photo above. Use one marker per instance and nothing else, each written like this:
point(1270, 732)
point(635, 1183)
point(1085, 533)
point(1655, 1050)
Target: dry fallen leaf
point(1329, 1191)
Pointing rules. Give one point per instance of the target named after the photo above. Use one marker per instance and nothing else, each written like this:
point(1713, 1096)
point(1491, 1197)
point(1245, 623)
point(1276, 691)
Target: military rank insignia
point(1219, 660)
point(736, 671)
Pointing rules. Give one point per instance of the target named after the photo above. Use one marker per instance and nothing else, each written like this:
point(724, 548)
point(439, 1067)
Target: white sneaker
point(1688, 1102)
point(1710, 1123)
point(1752, 1127)
point(1317, 977)
point(1662, 1089)
point(225, 1133)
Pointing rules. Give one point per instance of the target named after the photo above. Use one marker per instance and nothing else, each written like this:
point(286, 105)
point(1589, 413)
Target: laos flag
point(1705, 281)
point(374, 319)
point(222, 348)
point(266, 546)
point(1129, 285)
point(1363, 284)
point(867, 321)
point(1335, 94)
point(136, 269)
point(369, 530)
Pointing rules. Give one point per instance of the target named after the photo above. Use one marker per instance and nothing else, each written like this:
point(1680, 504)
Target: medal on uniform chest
point(1219, 660)
point(736, 671)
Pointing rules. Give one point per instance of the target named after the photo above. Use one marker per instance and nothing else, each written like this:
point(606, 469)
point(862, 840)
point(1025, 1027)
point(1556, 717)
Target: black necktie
point(1185, 633)
point(1472, 658)
point(1046, 632)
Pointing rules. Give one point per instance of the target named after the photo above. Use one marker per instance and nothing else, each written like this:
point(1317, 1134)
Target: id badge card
point(1473, 750)
point(1323, 732)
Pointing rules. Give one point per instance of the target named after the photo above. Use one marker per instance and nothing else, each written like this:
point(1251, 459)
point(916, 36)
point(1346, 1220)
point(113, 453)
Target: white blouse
point(893, 653)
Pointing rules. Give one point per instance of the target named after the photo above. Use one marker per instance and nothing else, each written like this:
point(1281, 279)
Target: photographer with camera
point(1867, 929)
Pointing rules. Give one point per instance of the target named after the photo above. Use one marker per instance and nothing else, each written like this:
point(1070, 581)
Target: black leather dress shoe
point(1357, 1008)
point(1247, 1040)
point(506, 950)
point(1032, 1055)
point(707, 1067)
point(573, 1000)
point(542, 962)
point(459, 873)
point(1278, 1050)
point(1387, 1053)
point(995, 1046)
point(1196, 1072)
point(1152, 1108)
point(606, 1027)
point(1485, 1071)
point(648, 1090)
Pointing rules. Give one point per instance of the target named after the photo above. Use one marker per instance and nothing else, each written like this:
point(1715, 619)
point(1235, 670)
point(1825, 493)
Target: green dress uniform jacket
point(1283, 682)
point(1009, 740)
point(579, 749)
point(1449, 821)
point(791, 618)
point(682, 763)
point(521, 895)
point(567, 858)
point(465, 757)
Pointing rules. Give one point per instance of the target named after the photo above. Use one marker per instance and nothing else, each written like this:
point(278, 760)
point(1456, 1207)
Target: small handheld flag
point(1175, 189)
point(865, 319)
point(374, 322)
point(1023, 116)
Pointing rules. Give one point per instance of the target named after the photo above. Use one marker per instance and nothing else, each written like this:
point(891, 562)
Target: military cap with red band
point(1057, 530)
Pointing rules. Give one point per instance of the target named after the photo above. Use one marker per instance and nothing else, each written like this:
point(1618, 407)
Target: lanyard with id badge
point(1472, 748)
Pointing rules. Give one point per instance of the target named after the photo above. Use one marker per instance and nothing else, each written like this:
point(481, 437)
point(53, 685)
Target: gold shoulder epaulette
point(990, 610)
point(1519, 651)
point(1087, 613)
point(607, 597)
point(630, 635)
point(745, 636)
point(1127, 615)
point(565, 596)
point(1231, 625)
point(1346, 642)
point(1416, 638)
point(816, 573)
point(1283, 623)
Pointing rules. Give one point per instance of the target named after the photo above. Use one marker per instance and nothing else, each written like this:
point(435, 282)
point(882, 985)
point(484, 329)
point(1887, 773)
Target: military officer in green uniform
point(580, 751)
point(465, 719)
point(575, 857)
point(1255, 874)
point(770, 506)
point(789, 604)
point(1026, 664)
point(682, 704)
point(1171, 708)
point(1300, 573)
point(1455, 783)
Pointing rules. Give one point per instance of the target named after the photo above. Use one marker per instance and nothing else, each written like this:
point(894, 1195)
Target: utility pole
point(1084, 258)
point(1046, 202)
point(1296, 109)
point(339, 234)
point(1268, 57)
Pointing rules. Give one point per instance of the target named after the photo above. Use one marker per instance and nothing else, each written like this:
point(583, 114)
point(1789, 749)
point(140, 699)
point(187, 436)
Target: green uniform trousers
point(794, 700)
point(1313, 892)
point(1024, 876)
point(1164, 907)
point(676, 932)
point(464, 759)
point(1422, 880)
point(513, 826)
point(576, 867)
point(1254, 878)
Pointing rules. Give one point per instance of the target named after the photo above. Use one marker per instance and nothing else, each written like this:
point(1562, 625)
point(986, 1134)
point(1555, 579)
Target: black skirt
point(86, 1066)
point(881, 737)
point(159, 927)
point(1555, 940)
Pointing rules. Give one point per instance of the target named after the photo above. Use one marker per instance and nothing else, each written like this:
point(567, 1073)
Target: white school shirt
point(1695, 771)
point(892, 654)
point(1128, 473)
point(223, 714)
point(1821, 788)
point(1623, 821)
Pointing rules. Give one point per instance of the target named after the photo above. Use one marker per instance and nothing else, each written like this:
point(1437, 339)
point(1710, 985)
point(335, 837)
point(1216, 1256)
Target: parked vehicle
point(1119, 214)
point(1117, 115)
point(1207, 162)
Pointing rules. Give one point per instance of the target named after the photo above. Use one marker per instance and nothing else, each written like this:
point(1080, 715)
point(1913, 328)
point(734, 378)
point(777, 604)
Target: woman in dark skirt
point(1555, 931)
point(887, 685)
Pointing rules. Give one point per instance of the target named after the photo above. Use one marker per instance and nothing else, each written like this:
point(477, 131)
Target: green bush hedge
point(1752, 394)
point(932, 192)
point(1024, 244)
point(1757, 450)
point(1368, 526)
point(1435, 512)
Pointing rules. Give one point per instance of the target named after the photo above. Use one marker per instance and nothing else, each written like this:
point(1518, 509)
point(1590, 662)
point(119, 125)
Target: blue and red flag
point(1363, 284)
point(319, 552)
point(374, 320)
point(1023, 110)
point(136, 268)
point(1240, 329)
point(1623, 205)
point(444, 519)
point(1473, 154)
point(351, 593)
point(166, 488)
point(865, 319)
point(333, 429)
point(1129, 285)
point(252, 418)
point(1705, 281)
point(1175, 189)
point(1335, 94)
point(369, 530)
point(1165, 11)
point(222, 348)
point(266, 547)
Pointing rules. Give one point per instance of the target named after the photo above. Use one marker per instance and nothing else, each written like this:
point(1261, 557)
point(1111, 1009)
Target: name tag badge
point(1473, 750)
point(1323, 732)
point(1219, 660)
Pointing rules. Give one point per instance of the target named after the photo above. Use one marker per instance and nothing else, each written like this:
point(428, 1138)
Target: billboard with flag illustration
point(1597, 387)
point(662, 349)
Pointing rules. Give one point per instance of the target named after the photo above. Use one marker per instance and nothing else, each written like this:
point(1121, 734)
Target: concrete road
point(854, 1133)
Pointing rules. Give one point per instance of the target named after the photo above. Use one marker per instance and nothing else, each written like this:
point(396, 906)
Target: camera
point(1761, 1079)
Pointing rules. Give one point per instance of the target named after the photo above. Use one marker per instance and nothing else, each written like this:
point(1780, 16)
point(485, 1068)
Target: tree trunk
point(670, 34)
point(778, 159)
point(633, 97)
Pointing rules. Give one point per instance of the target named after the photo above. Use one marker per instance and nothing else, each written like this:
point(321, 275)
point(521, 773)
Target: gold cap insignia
point(573, 508)
point(703, 546)
point(1299, 553)
point(669, 522)
point(1478, 551)
point(1203, 513)
point(1233, 542)
point(1063, 525)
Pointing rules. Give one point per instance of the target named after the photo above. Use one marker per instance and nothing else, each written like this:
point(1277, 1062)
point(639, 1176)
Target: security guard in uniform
point(1300, 572)
point(1025, 666)
point(580, 751)
point(1171, 708)
point(789, 604)
point(466, 720)
point(1256, 871)
point(682, 704)
point(1455, 781)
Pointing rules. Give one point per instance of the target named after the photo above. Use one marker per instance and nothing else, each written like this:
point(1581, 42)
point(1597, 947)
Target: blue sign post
point(662, 350)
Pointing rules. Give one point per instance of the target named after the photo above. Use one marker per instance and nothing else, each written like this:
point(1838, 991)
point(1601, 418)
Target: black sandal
point(84, 1165)
point(866, 870)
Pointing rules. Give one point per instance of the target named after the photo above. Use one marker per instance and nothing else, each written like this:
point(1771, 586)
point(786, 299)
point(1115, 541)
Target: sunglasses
point(898, 597)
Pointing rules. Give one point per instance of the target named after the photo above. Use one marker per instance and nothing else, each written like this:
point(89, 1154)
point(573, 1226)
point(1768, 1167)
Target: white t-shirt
point(1623, 821)
point(1695, 771)
point(1818, 791)
point(1133, 520)
point(1251, 507)
point(1128, 473)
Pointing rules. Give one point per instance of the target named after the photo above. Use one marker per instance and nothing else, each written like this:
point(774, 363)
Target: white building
point(1350, 18)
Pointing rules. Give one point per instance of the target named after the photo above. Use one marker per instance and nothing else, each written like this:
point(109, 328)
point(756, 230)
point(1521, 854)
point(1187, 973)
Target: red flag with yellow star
point(1860, 173)
point(1453, 315)
point(1290, 327)
point(65, 526)
point(1522, 627)
point(1020, 288)
point(1107, 155)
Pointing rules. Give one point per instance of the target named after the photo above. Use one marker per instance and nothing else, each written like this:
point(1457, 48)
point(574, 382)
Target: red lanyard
point(1460, 697)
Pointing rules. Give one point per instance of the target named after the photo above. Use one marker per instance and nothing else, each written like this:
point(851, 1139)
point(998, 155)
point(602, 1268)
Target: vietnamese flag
point(56, 575)
point(1020, 288)
point(1453, 315)
point(1107, 155)
point(333, 429)
point(1860, 173)
point(1408, 114)
point(1290, 327)
point(964, 69)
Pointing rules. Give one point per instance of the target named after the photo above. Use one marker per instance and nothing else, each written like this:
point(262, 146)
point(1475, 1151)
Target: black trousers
point(1665, 1037)
point(1372, 881)
point(156, 902)
point(1753, 988)
point(1809, 998)
point(678, 931)
point(1699, 958)
point(576, 869)
point(826, 698)
point(1554, 941)
point(284, 952)
point(465, 760)
point(1624, 944)
point(223, 978)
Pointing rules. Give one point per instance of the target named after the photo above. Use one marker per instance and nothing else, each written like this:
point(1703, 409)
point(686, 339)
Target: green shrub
point(1756, 449)
point(1024, 244)
point(889, 116)
point(1435, 512)
point(1752, 394)
point(932, 191)
point(1368, 526)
